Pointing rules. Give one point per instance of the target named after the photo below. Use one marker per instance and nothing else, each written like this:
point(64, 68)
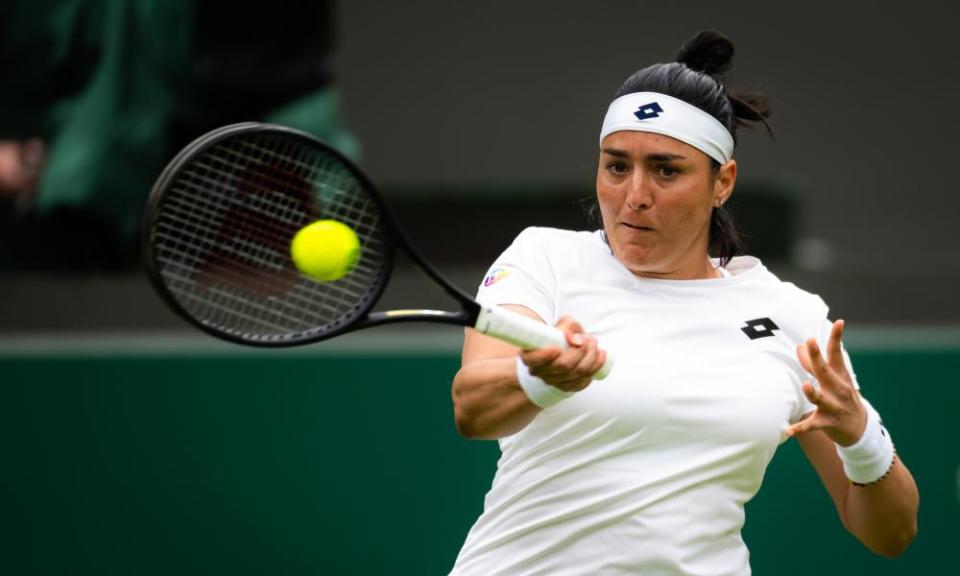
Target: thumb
point(572, 329)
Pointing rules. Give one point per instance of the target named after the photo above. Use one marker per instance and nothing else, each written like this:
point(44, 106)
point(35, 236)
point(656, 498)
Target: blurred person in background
point(98, 95)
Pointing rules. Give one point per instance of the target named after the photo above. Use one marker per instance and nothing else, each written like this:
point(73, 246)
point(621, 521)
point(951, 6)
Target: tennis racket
point(216, 241)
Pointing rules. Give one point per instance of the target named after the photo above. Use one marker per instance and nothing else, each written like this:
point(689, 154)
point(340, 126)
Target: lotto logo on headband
point(495, 275)
point(647, 111)
point(644, 112)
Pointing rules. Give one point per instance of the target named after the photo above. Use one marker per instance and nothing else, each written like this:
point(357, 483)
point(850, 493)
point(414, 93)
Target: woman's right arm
point(488, 401)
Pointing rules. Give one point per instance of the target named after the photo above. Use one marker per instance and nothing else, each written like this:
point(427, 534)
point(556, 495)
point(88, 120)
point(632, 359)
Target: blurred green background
point(165, 460)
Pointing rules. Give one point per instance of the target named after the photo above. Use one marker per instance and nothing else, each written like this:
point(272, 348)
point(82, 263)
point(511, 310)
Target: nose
point(638, 192)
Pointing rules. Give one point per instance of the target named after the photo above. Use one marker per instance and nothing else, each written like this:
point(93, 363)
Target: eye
point(667, 171)
point(617, 168)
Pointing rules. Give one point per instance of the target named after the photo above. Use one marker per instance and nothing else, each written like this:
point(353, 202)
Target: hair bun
point(709, 52)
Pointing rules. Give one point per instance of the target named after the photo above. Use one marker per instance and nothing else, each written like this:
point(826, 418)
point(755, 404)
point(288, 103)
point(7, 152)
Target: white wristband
point(539, 392)
point(871, 457)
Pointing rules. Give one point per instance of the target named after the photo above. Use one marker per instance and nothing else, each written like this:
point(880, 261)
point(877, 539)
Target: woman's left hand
point(839, 413)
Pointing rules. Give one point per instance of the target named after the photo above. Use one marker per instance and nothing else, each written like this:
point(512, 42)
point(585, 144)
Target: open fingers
point(833, 345)
point(808, 424)
point(839, 413)
point(835, 349)
point(823, 400)
point(817, 365)
point(819, 419)
point(804, 356)
point(810, 358)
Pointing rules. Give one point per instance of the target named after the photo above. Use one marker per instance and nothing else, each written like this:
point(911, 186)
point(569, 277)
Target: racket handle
point(525, 332)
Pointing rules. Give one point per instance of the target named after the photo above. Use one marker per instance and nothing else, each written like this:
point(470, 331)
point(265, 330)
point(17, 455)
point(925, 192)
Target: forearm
point(884, 515)
point(488, 401)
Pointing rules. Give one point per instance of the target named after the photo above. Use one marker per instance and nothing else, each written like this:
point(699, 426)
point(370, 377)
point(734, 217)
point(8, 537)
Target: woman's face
point(656, 195)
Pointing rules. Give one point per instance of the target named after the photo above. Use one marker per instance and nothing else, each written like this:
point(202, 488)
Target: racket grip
point(525, 332)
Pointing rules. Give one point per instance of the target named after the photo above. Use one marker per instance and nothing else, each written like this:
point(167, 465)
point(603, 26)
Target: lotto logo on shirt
point(494, 276)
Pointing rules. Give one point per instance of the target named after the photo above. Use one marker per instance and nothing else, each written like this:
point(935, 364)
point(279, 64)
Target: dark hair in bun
point(697, 78)
point(708, 52)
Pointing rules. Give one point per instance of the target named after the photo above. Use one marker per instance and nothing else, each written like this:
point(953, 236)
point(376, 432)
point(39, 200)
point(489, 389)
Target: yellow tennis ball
point(325, 250)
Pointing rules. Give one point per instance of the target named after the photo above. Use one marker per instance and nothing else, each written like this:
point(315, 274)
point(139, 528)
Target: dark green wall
point(313, 464)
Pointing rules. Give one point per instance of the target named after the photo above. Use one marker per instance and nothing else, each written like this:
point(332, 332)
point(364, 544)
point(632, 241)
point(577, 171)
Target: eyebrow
point(661, 157)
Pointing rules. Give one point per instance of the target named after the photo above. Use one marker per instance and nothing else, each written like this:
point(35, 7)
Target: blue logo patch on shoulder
point(647, 111)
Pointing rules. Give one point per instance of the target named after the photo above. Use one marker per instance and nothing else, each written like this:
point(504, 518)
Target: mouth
point(637, 227)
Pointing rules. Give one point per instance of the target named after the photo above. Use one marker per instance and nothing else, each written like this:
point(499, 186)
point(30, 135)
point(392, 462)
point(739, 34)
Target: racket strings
point(255, 259)
point(224, 227)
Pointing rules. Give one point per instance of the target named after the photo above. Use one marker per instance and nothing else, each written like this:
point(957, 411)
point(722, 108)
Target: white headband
point(662, 114)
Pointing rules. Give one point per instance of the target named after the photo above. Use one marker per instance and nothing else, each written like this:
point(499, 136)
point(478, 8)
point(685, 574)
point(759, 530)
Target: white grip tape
point(525, 332)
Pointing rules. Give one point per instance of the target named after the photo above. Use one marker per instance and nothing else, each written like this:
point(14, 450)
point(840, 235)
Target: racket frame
point(362, 314)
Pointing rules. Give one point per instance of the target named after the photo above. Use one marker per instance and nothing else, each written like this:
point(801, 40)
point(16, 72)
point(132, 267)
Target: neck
point(703, 270)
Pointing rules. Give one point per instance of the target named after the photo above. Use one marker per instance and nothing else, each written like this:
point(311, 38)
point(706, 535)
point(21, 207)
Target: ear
point(724, 183)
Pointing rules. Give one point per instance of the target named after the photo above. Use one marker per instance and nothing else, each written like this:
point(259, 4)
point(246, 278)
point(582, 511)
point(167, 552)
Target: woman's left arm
point(883, 513)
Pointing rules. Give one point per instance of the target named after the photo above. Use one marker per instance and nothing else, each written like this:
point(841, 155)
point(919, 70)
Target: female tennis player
point(717, 363)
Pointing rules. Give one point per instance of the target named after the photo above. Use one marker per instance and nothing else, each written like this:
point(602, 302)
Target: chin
point(636, 258)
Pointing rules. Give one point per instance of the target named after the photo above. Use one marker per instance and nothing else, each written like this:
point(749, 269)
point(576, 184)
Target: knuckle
point(533, 362)
point(539, 372)
point(582, 368)
point(581, 383)
point(565, 364)
point(556, 383)
point(579, 353)
point(568, 323)
point(589, 354)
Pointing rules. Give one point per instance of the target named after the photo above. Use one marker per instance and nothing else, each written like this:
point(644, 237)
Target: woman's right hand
point(488, 402)
point(570, 370)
